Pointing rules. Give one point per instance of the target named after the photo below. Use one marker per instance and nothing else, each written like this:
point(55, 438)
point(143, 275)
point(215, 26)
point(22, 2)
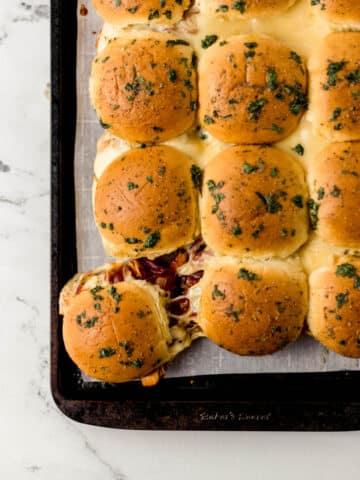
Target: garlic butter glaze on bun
point(335, 183)
point(145, 202)
point(117, 333)
point(338, 11)
point(253, 308)
point(253, 89)
point(334, 314)
point(254, 203)
point(246, 9)
point(144, 86)
point(145, 11)
point(335, 87)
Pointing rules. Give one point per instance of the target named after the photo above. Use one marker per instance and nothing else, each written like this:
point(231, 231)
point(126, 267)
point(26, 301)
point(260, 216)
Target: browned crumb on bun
point(144, 87)
point(338, 11)
point(335, 184)
point(254, 203)
point(146, 202)
point(334, 315)
point(146, 11)
point(253, 309)
point(336, 87)
point(116, 333)
point(246, 8)
point(253, 89)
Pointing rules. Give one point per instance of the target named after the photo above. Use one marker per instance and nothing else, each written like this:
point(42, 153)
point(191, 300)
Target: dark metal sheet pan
point(286, 401)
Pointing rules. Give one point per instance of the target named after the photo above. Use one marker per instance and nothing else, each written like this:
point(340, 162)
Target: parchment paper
point(203, 357)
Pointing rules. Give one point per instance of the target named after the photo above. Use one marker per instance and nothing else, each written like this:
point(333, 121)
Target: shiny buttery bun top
point(335, 184)
point(144, 86)
point(253, 308)
point(117, 333)
point(145, 202)
point(252, 89)
point(144, 11)
point(334, 314)
point(254, 203)
point(335, 87)
point(246, 9)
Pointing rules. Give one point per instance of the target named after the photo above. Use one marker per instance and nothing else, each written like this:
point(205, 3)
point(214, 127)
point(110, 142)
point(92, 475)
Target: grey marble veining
point(36, 440)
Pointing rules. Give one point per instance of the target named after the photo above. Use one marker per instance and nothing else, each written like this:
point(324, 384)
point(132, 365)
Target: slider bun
point(334, 314)
point(117, 333)
point(248, 9)
point(339, 11)
point(335, 182)
point(253, 309)
point(145, 203)
point(254, 203)
point(146, 11)
point(143, 87)
point(252, 90)
point(335, 87)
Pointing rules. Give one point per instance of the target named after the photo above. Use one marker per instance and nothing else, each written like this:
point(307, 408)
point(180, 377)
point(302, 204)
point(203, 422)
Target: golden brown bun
point(346, 11)
point(146, 11)
point(252, 90)
point(334, 314)
point(253, 309)
point(248, 9)
point(254, 203)
point(146, 203)
point(335, 87)
point(117, 333)
point(144, 87)
point(335, 183)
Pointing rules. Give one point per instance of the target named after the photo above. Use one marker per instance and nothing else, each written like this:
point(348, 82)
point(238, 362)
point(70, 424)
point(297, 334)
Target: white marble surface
point(36, 440)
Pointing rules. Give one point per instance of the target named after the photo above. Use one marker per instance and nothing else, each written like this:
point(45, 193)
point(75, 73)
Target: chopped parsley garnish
point(270, 201)
point(104, 125)
point(320, 193)
point(106, 352)
point(341, 299)
point(248, 168)
point(299, 149)
point(173, 43)
point(152, 239)
point(247, 275)
point(298, 201)
point(236, 231)
point(332, 70)
point(128, 347)
point(208, 120)
point(336, 114)
point(172, 75)
point(138, 363)
point(132, 186)
point(313, 212)
point(196, 176)
point(230, 312)
point(346, 270)
point(208, 41)
point(271, 78)
point(132, 240)
point(294, 56)
point(217, 293)
point(255, 108)
point(239, 5)
point(335, 192)
point(90, 322)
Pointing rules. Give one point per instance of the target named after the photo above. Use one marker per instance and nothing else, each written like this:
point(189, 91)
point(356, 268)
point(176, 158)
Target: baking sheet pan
point(202, 396)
